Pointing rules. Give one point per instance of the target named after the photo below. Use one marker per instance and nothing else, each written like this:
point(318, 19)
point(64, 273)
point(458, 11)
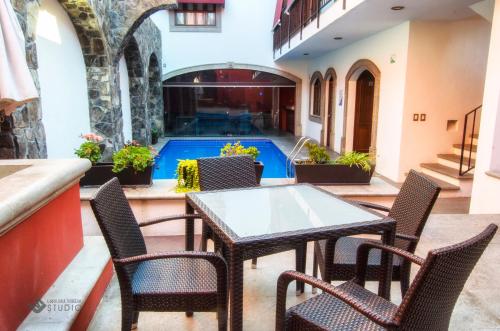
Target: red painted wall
point(35, 252)
point(89, 307)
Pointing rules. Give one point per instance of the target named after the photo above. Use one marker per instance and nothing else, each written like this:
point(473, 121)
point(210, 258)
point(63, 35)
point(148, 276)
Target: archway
point(328, 131)
point(291, 114)
point(140, 118)
point(362, 94)
point(316, 108)
point(155, 95)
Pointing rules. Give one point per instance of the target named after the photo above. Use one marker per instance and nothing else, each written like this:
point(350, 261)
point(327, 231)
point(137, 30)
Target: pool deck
point(164, 189)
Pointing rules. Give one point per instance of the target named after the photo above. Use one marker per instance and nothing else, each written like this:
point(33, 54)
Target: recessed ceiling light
point(398, 8)
point(306, 54)
point(338, 38)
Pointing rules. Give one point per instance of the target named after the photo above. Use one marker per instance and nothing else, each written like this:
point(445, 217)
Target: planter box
point(259, 169)
point(102, 172)
point(332, 174)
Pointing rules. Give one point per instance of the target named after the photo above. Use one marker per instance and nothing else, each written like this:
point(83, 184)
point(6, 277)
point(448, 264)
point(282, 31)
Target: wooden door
point(363, 120)
point(329, 112)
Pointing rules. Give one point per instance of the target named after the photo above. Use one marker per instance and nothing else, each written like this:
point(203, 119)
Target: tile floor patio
point(478, 307)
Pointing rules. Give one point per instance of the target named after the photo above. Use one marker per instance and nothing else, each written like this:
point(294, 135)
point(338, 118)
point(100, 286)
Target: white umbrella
point(16, 82)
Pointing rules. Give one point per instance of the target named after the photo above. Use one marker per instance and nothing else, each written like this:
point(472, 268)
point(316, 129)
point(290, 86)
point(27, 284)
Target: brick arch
point(330, 75)
point(155, 94)
point(352, 75)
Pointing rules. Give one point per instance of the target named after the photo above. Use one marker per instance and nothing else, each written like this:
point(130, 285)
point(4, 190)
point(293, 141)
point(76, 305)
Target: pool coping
point(164, 189)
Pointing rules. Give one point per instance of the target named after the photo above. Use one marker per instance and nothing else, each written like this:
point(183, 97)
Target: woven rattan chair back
point(412, 207)
point(221, 173)
point(119, 226)
point(429, 302)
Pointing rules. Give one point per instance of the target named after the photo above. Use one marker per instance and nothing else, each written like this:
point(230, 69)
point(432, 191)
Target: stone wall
point(104, 28)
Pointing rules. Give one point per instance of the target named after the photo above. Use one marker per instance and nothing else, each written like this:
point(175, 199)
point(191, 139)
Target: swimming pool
point(166, 163)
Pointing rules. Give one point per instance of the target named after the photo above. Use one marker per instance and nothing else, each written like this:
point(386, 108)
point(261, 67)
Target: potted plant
point(92, 149)
point(238, 149)
point(187, 176)
point(155, 134)
point(352, 168)
point(133, 164)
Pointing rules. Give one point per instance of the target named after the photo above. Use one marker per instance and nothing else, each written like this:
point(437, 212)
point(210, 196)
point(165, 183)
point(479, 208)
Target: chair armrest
point(407, 237)
point(288, 276)
point(372, 206)
point(362, 258)
point(168, 218)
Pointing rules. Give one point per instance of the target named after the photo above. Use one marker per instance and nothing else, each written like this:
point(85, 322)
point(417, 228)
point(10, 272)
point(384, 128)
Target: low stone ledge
point(37, 183)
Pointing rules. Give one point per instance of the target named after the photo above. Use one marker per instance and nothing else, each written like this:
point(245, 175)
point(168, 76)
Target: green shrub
point(238, 149)
point(360, 160)
point(133, 155)
point(317, 154)
point(90, 149)
point(187, 176)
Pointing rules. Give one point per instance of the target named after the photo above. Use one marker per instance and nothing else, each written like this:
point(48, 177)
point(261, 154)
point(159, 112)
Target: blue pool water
point(166, 163)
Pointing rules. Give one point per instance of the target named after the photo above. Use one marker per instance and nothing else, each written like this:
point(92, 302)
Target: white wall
point(445, 80)
point(63, 81)
point(245, 38)
point(125, 98)
point(379, 49)
point(486, 188)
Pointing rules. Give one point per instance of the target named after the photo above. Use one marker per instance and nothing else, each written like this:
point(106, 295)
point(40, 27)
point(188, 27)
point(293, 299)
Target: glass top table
point(254, 222)
point(276, 209)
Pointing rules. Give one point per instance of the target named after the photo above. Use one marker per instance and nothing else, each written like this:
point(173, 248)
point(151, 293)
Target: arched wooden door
point(363, 120)
point(329, 111)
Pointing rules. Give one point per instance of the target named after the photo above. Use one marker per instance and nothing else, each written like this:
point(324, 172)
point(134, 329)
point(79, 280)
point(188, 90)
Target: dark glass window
point(195, 15)
point(316, 110)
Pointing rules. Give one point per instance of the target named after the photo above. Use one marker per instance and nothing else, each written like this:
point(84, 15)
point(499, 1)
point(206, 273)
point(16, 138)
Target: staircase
point(454, 172)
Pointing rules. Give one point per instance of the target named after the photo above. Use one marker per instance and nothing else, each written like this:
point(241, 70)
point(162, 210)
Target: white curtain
point(16, 82)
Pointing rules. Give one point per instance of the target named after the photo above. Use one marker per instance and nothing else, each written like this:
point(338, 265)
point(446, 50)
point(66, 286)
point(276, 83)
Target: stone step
point(82, 282)
point(445, 186)
point(453, 161)
point(444, 170)
point(466, 148)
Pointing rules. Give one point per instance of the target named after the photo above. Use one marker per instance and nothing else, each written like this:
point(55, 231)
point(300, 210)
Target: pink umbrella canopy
point(16, 83)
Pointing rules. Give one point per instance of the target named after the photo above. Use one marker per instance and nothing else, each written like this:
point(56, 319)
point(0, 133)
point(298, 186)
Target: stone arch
point(330, 101)
point(232, 65)
point(132, 17)
point(155, 94)
point(350, 96)
point(317, 97)
point(89, 32)
point(138, 109)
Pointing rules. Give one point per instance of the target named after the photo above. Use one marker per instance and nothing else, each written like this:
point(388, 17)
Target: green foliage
point(133, 155)
point(238, 149)
point(360, 160)
point(317, 154)
point(187, 176)
point(155, 133)
point(89, 150)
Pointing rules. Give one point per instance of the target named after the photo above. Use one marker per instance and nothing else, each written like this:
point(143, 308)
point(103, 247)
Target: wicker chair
point(223, 173)
point(427, 305)
point(176, 281)
point(411, 210)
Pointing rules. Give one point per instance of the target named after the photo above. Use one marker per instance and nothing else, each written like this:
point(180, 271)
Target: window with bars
point(193, 15)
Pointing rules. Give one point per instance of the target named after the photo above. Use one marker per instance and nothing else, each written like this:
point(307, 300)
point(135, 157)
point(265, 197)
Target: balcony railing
point(301, 14)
